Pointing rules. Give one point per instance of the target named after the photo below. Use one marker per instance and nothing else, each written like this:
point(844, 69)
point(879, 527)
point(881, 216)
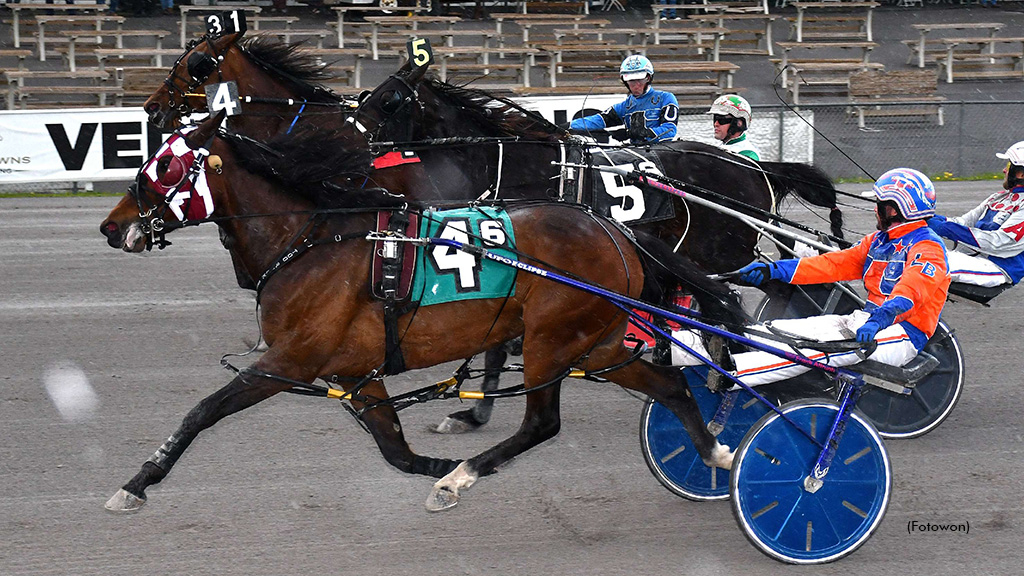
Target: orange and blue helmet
point(911, 191)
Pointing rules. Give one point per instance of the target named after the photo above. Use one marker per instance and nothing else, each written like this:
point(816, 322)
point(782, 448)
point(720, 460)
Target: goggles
point(723, 119)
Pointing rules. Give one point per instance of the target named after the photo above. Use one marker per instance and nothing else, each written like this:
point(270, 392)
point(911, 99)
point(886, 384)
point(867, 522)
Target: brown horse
point(283, 84)
point(321, 321)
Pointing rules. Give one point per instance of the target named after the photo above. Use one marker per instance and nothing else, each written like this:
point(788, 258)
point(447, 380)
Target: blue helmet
point(635, 67)
point(912, 191)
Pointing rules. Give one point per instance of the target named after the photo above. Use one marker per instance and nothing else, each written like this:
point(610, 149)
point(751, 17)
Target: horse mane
point(288, 62)
point(496, 114)
point(305, 167)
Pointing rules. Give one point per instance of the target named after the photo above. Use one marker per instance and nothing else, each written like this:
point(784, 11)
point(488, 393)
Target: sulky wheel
point(930, 401)
point(669, 452)
point(789, 523)
point(895, 415)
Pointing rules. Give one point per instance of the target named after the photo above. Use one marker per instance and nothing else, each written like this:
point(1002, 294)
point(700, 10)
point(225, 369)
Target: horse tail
point(809, 183)
point(665, 269)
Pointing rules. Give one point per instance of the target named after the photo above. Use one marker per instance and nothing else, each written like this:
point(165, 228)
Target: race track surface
point(102, 353)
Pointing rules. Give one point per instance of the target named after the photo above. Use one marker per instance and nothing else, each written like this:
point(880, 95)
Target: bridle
point(390, 106)
point(200, 66)
point(153, 214)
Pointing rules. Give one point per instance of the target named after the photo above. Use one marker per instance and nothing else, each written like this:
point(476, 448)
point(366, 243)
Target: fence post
point(960, 141)
point(782, 132)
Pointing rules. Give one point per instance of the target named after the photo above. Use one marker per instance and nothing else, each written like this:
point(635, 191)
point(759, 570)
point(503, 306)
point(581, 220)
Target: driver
point(647, 115)
point(731, 118)
point(904, 270)
point(989, 240)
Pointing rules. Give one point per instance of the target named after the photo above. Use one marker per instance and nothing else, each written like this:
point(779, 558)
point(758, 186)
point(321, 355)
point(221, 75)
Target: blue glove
point(937, 223)
point(988, 226)
point(866, 333)
point(756, 273)
point(882, 317)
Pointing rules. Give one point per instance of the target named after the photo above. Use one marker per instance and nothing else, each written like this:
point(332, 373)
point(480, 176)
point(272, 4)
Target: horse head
point(206, 61)
point(392, 111)
point(277, 80)
point(170, 189)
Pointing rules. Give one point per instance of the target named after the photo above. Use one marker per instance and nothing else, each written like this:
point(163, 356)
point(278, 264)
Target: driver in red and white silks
point(904, 269)
point(988, 241)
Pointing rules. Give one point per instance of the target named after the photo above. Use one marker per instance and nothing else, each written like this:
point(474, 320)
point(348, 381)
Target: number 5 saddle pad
point(445, 274)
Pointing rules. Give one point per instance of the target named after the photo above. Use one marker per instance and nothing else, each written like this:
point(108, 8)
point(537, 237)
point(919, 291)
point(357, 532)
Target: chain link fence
point(962, 146)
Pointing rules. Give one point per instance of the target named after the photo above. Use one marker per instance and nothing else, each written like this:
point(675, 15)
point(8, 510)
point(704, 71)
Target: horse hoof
point(124, 501)
point(441, 498)
point(454, 426)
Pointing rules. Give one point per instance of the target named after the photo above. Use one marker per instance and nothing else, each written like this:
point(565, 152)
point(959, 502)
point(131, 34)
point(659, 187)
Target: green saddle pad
point(445, 274)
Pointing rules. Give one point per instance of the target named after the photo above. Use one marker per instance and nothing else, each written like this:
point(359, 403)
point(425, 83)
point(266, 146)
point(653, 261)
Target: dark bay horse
point(411, 111)
point(321, 321)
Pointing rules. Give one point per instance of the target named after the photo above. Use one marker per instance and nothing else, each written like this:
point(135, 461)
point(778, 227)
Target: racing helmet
point(1014, 154)
point(636, 67)
point(731, 105)
point(911, 191)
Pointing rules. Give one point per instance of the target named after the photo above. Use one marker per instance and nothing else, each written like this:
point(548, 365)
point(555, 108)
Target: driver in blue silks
point(647, 115)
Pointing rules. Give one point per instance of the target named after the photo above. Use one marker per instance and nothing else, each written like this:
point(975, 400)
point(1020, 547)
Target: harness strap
point(297, 251)
point(394, 361)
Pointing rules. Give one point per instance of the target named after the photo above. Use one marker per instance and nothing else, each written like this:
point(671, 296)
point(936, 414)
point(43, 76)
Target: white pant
point(755, 368)
point(977, 270)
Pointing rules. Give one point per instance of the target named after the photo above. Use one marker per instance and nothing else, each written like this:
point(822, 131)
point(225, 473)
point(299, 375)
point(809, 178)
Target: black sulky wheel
point(894, 415)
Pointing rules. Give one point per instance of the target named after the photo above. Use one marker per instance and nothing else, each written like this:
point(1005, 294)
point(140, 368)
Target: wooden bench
point(126, 57)
point(817, 53)
point(288, 34)
point(926, 49)
point(986, 65)
point(16, 8)
point(20, 53)
point(686, 38)
point(741, 40)
point(355, 56)
point(85, 41)
point(900, 93)
point(68, 89)
point(258, 22)
point(139, 83)
point(56, 23)
point(850, 27)
point(451, 55)
point(832, 20)
point(567, 60)
point(825, 78)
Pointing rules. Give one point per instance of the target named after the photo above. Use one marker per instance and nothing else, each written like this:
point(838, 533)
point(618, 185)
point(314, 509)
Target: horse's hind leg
point(475, 417)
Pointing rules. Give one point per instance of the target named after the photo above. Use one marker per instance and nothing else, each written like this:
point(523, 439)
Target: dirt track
point(295, 486)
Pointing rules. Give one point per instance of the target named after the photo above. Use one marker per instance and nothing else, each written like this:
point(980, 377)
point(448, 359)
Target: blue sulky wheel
point(669, 452)
point(894, 415)
point(929, 403)
point(784, 520)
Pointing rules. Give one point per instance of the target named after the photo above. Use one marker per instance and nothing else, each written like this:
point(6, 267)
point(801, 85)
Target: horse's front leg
point(541, 422)
point(383, 424)
point(242, 392)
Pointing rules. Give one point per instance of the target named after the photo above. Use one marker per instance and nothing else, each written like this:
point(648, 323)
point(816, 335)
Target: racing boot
point(718, 352)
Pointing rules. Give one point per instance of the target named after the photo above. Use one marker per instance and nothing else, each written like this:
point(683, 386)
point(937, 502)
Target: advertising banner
point(79, 145)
